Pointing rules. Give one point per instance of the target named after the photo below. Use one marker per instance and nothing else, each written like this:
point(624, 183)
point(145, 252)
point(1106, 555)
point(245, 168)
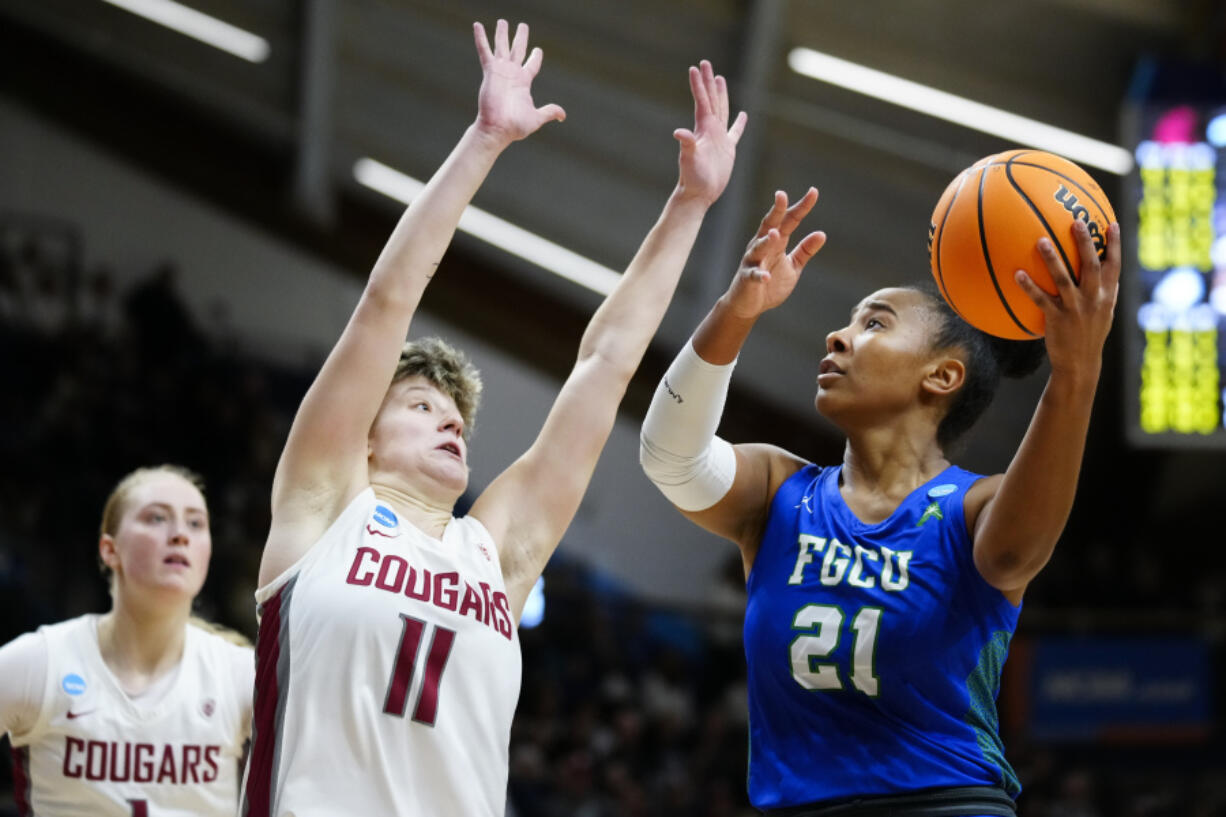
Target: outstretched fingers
point(797, 212)
point(710, 92)
point(806, 249)
point(483, 44)
point(533, 65)
point(762, 254)
point(717, 92)
point(738, 127)
point(519, 46)
point(502, 46)
point(551, 113)
point(504, 103)
point(774, 216)
point(698, 89)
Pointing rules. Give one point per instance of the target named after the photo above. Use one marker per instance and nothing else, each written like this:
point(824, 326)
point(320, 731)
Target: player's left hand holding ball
point(1078, 317)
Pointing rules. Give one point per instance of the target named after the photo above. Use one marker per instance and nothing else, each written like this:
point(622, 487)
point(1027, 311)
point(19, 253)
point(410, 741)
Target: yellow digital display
point(1180, 319)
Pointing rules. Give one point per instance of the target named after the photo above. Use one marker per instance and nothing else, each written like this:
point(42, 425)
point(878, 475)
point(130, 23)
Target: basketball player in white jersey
point(141, 711)
point(388, 663)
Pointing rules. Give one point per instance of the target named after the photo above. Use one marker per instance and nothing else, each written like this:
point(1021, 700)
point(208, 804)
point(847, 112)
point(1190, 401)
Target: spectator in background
point(162, 325)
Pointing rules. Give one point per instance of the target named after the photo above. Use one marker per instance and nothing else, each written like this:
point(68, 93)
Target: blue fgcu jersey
point(874, 651)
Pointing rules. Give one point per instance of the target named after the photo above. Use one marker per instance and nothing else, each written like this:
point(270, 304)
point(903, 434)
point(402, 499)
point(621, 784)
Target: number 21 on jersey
point(820, 626)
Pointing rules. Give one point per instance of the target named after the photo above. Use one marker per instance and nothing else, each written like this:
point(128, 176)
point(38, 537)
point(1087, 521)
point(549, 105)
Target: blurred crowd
point(98, 382)
point(627, 709)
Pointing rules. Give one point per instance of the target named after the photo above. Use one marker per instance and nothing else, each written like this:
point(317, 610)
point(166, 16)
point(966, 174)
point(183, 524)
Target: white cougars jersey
point(96, 752)
point(387, 674)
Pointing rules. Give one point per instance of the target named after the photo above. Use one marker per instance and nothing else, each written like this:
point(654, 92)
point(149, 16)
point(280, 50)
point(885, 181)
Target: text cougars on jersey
point(394, 574)
point(120, 761)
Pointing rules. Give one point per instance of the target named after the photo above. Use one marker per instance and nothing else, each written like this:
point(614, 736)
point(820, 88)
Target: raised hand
point(768, 272)
point(1078, 317)
point(708, 151)
point(505, 109)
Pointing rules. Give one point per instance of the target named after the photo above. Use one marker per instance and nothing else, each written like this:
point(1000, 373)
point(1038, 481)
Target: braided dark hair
point(988, 358)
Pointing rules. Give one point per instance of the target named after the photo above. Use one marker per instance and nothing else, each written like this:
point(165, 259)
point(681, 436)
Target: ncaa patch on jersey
point(73, 684)
point(938, 491)
point(385, 517)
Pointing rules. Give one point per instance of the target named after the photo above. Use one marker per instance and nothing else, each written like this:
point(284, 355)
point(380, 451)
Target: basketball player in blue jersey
point(883, 591)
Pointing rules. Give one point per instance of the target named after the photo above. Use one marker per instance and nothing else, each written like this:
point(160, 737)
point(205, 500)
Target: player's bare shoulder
point(977, 498)
point(300, 518)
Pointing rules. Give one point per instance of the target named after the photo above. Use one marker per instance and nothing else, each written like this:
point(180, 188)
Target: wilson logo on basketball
point(1067, 198)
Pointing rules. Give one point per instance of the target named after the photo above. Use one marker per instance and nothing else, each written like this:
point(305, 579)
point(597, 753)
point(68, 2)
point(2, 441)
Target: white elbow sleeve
point(678, 448)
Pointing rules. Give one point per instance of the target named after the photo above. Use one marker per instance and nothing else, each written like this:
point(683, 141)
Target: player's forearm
point(1036, 494)
point(417, 244)
point(722, 333)
point(625, 323)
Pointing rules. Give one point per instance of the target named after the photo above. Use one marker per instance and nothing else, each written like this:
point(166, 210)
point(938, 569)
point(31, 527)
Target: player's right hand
point(505, 110)
point(768, 272)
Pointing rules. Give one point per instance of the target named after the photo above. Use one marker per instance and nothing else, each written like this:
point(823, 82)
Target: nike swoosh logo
point(72, 714)
point(374, 532)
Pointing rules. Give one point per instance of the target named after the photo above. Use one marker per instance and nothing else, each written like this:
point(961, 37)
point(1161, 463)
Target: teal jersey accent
point(983, 685)
point(874, 650)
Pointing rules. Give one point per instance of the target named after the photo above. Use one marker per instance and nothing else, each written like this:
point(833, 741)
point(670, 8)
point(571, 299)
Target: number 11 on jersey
point(411, 635)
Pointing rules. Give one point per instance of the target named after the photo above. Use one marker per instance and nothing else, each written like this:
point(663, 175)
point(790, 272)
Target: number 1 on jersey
point(404, 668)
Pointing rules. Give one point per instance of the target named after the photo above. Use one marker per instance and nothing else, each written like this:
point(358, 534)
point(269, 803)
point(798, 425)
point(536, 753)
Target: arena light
point(493, 230)
point(199, 26)
point(959, 110)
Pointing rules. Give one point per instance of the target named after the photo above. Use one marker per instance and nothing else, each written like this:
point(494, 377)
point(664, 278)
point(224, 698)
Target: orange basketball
point(986, 226)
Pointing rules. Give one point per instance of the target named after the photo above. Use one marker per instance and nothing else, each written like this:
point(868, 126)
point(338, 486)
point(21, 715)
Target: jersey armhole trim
point(269, 590)
point(770, 513)
point(496, 556)
point(43, 718)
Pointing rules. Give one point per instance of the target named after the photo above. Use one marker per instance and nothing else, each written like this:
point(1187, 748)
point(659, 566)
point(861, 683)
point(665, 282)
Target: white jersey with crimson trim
point(96, 752)
point(388, 670)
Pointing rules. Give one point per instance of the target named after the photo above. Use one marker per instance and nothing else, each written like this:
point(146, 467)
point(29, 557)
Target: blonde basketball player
point(388, 656)
point(136, 712)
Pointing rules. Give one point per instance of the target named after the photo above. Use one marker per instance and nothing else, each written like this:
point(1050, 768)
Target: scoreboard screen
point(1174, 285)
